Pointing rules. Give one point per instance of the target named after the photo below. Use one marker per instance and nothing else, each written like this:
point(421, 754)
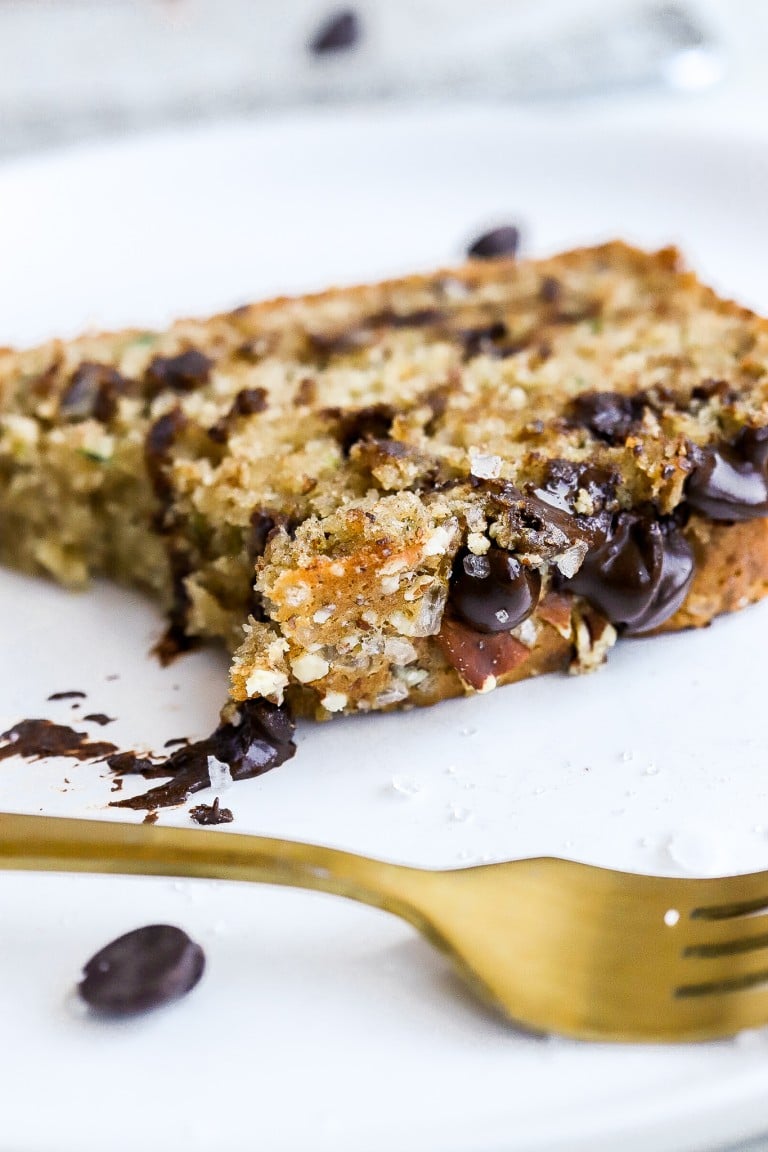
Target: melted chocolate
point(262, 739)
point(99, 718)
point(640, 573)
point(211, 814)
point(494, 592)
point(609, 416)
point(142, 969)
point(730, 481)
point(73, 695)
point(36, 739)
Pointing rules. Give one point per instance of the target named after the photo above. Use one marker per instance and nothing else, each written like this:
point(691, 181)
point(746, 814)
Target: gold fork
point(557, 946)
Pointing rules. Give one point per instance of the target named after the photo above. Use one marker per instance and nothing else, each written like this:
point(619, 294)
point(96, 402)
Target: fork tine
point(701, 1016)
point(729, 943)
point(729, 896)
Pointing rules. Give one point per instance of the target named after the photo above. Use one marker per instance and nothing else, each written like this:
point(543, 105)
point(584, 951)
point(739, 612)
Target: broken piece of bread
point(388, 495)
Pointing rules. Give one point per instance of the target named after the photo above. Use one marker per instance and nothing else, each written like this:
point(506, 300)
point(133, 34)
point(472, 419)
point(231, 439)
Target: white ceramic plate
point(320, 1024)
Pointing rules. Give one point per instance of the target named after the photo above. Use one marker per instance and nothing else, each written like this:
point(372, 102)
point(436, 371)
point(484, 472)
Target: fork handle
point(61, 844)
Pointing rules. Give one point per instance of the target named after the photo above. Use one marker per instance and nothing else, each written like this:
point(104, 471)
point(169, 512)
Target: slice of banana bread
point(411, 490)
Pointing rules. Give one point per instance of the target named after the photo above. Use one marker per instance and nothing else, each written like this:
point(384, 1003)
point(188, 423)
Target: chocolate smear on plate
point(36, 739)
point(252, 738)
point(211, 813)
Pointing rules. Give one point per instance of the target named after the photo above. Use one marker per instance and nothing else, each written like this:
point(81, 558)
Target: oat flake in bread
point(388, 495)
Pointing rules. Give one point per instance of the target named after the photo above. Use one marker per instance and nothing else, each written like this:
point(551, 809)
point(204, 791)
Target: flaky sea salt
point(484, 465)
point(405, 785)
point(219, 773)
point(458, 813)
point(695, 851)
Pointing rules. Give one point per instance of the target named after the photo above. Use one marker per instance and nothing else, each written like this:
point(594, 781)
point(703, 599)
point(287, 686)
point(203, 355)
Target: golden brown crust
point(731, 571)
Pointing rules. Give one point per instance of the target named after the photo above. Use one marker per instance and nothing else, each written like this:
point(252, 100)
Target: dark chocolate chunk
point(35, 739)
point(503, 241)
point(72, 695)
point(338, 32)
point(551, 290)
point(92, 393)
point(211, 814)
point(730, 481)
point(419, 318)
point(160, 438)
point(259, 738)
point(248, 402)
point(486, 340)
point(183, 373)
point(175, 639)
point(372, 423)
point(494, 592)
point(306, 393)
point(264, 525)
point(608, 415)
point(143, 969)
point(639, 575)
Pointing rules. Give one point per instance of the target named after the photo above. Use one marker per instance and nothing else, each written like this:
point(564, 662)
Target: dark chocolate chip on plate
point(502, 241)
point(143, 969)
point(338, 32)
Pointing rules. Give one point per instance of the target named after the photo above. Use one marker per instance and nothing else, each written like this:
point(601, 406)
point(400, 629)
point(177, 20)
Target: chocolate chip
point(609, 416)
point(160, 438)
point(92, 393)
point(248, 402)
point(183, 373)
point(494, 592)
point(419, 318)
point(373, 422)
point(730, 481)
point(143, 969)
point(551, 290)
point(263, 526)
point(485, 340)
point(306, 393)
point(709, 388)
point(639, 575)
point(73, 694)
point(340, 31)
point(211, 814)
point(175, 639)
point(498, 242)
point(99, 718)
